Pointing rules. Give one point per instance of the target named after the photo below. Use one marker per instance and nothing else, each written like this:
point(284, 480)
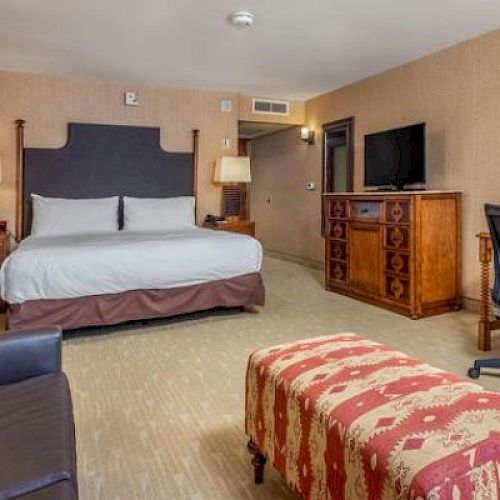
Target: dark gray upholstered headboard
point(106, 160)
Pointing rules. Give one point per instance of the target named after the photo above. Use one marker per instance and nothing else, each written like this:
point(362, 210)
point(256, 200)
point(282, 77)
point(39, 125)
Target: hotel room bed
point(108, 277)
point(128, 275)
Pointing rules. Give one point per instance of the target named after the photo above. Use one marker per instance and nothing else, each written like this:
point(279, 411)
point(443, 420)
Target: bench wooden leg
point(258, 462)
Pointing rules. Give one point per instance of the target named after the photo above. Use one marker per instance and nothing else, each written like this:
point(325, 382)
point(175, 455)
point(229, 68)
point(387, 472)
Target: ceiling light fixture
point(241, 19)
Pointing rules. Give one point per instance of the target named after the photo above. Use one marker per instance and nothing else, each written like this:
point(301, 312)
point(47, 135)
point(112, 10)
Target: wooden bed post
point(484, 326)
point(196, 154)
point(19, 179)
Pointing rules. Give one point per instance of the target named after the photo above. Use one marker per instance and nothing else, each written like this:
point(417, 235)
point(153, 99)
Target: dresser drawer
point(336, 230)
point(336, 209)
point(338, 250)
point(397, 288)
point(397, 262)
point(365, 210)
point(397, 211)
point(397, 237)
point(338, 272)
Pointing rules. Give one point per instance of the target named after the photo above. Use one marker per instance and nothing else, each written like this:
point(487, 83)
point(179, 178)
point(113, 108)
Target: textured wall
point(49, 103)
point(287, 216)
point(456, 92)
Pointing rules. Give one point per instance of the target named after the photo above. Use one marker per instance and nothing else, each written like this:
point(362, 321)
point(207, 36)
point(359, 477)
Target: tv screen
point(396, 158)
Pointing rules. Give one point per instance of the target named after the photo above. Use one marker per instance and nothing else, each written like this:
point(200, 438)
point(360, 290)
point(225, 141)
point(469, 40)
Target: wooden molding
point(19, 178)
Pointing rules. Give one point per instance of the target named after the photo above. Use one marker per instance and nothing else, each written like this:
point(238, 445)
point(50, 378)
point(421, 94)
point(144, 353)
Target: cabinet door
point(365, 267)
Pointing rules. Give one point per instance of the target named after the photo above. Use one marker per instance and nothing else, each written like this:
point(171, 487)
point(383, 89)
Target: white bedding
point(62, 267)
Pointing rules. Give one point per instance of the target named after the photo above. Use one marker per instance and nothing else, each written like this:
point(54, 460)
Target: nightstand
point(236, 226)
point(4, 245)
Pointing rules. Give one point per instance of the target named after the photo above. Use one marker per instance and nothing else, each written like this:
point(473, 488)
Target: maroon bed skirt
point(111, 309)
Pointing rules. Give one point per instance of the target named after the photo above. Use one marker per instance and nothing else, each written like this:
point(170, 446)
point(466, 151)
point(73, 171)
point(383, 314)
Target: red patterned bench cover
point(345, 417)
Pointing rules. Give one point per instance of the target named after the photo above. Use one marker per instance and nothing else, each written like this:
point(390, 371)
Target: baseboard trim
point(304, 261)
point(470, 304)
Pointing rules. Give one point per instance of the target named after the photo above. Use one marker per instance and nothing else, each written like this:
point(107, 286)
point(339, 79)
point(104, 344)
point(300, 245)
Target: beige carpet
point(159, 408)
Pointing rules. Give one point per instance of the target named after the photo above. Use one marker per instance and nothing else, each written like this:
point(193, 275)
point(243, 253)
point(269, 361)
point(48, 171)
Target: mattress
point(63, 267)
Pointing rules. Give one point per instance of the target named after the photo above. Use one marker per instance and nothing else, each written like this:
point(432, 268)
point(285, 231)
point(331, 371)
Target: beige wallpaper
point(287, 216)
point(49, 103)
point(455, 91)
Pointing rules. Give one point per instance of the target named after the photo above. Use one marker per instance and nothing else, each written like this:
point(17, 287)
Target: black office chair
point(492, 213)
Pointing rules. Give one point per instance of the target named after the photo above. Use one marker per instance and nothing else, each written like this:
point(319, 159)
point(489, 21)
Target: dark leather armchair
point(37, 436)
point(492, 213)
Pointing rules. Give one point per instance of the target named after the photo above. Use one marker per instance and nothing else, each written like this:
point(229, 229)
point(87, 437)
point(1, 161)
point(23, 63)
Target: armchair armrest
point(29, 353)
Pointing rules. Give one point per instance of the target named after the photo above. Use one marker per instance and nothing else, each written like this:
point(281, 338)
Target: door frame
point(346, 125)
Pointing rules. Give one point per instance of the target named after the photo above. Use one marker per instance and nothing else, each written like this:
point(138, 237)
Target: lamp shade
point(304, 133)
point(232, 169)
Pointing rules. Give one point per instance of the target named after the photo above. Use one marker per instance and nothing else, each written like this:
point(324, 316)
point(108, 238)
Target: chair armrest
point(29, 353)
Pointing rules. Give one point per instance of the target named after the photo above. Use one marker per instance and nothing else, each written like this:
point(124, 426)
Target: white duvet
point(62, 267)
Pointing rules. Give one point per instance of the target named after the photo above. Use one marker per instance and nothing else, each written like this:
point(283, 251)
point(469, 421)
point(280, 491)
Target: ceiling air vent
point(270, 107)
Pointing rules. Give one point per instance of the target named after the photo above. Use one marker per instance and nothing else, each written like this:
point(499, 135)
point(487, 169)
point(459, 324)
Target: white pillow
point(59, 216)
point(158, 214)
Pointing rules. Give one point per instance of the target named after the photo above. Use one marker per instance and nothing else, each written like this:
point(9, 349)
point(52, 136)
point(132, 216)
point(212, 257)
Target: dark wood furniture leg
point(258, 462)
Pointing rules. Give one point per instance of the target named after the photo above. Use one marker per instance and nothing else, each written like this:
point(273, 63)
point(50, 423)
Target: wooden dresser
point(398, 250)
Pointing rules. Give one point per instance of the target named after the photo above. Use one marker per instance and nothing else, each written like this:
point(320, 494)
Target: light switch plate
point(131, 98)
point(226, 143)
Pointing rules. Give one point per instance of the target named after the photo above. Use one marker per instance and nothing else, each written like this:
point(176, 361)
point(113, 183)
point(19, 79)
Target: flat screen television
point(395, 159)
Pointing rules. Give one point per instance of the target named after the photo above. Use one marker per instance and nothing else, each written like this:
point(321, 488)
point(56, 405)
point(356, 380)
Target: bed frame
point(102, 160)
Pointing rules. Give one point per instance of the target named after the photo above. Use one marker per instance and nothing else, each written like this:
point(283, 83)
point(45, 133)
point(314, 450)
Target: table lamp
point(231, 171)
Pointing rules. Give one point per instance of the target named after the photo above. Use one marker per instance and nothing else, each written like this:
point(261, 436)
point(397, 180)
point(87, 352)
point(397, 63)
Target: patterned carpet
point(159, 407)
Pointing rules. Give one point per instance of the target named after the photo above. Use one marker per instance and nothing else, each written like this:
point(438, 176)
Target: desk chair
point(492, 213)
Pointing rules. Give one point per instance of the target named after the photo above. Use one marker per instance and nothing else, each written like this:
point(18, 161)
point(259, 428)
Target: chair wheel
point(474, 373)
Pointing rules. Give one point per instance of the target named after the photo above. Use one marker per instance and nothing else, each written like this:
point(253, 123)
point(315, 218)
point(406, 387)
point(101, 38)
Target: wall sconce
point(307, 135)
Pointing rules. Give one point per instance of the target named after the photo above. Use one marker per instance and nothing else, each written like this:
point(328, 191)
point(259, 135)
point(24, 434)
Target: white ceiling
point(296, 49)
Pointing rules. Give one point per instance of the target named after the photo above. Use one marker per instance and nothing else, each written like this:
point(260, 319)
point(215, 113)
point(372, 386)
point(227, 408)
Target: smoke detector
point(241, 19)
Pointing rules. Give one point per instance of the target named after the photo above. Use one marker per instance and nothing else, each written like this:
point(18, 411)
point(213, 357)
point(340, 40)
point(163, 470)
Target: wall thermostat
point(310, 185)
point(131, 98)
point(226, 105)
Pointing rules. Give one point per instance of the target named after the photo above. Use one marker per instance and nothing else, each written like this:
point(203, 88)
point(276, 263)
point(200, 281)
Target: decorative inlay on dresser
point(397, 250)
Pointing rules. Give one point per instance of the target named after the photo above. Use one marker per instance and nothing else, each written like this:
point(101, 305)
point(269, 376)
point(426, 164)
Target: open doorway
point(249, 131)
point(338, 158)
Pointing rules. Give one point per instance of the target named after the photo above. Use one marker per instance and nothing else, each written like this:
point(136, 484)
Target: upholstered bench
point(343, 417)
